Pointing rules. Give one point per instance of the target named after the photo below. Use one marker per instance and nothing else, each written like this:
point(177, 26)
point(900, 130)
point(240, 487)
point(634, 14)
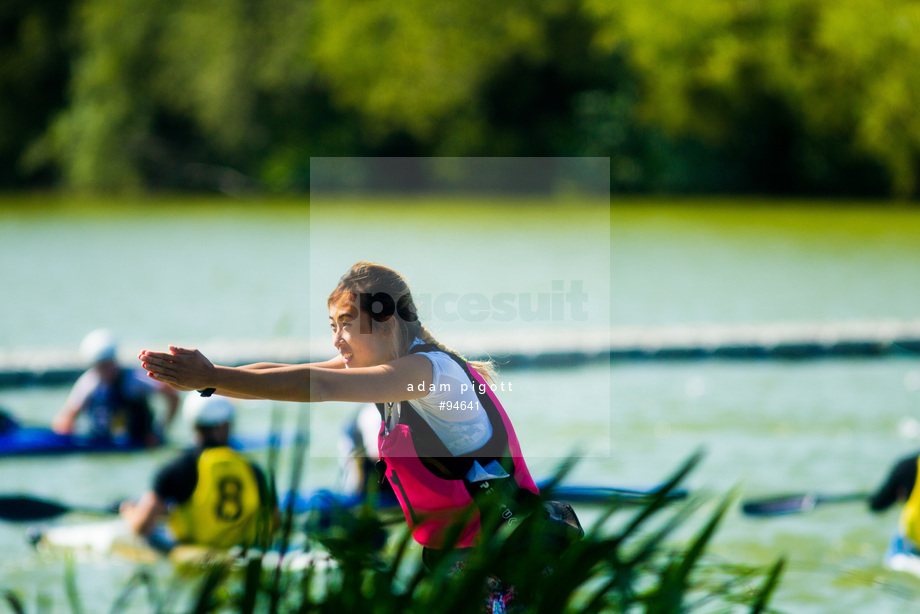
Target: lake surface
point(204, 273)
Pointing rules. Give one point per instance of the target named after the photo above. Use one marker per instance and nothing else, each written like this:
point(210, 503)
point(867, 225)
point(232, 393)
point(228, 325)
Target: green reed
point(634, 567)
point(631, 569)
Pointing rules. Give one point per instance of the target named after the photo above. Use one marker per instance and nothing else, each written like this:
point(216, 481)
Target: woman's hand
point(180, 368)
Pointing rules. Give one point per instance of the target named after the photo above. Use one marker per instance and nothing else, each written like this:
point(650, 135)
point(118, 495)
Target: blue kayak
point(25, 441)
point(17, 440)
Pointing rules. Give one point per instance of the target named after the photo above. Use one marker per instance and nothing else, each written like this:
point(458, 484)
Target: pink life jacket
point(429, 481)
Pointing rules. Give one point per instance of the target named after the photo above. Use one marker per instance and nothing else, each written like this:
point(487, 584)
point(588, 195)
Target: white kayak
point(113, 538)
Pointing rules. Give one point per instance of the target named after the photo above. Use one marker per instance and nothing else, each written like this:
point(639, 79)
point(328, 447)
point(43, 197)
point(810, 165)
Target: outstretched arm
point(63, 422)
point(66, 417)
point(190, 369)
point(143, 515)
point(332, 363)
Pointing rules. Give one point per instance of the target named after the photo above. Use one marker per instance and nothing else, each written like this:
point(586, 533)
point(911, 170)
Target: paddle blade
point(794, 504)
point(603, 495)
point(20, 508)
point(778, 506)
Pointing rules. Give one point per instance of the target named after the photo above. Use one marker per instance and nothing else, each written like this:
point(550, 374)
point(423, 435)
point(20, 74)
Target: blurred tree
point(814, 84)
point(772, 96)
point(463, 80)
point(96, 138)
point(408, 65)
point(34, 69)
point(193, 94)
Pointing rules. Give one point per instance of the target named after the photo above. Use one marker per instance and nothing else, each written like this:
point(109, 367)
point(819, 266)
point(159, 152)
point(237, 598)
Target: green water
point(160, 271)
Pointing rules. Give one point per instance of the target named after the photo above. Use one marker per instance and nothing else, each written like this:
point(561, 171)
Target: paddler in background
point(900, 487)
point(115, 399)
point(210, 495)
point(358, 454)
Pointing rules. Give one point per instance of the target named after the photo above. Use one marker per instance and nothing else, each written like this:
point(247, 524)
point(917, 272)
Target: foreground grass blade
point(141, 578)
point(668, 597)
point(251, 583)
point(206, 601)
point(14, 602)
point(302, 444)
point(656, 504)
point(760, 605)
point(70, 586)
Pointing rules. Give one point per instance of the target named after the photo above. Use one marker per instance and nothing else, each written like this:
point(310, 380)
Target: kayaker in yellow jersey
point(210, 495)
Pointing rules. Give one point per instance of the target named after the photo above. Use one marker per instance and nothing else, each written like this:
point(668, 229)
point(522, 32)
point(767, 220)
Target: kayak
point(901, 556)
point(18, 440)
point(112, 537)
point(27, 441)
point(102, 537)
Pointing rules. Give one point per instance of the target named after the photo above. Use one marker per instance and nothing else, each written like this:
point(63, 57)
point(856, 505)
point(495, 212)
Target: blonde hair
point(367, 285)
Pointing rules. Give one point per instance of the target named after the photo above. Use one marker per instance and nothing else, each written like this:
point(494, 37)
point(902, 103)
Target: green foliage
point(631, 568)
point(70, 585)
point(620, 565)
point(839, 71)
point(34, 51)
point(773, 96)
point(13, 602)
point(411, 64)
point(627, 569)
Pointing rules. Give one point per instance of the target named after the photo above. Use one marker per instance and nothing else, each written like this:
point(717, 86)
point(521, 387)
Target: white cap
point(99, 346)
point(207, 411)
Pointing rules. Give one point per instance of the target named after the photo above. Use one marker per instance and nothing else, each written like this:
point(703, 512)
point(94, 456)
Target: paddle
point(23, 508)
point(322, 500)
point(602, 494)
point(794, 504)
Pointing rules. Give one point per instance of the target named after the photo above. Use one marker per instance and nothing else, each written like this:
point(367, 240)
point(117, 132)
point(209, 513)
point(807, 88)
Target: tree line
point(779, 97)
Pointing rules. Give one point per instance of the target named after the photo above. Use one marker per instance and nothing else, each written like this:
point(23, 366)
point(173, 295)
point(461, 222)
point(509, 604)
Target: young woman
point(446, 444)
